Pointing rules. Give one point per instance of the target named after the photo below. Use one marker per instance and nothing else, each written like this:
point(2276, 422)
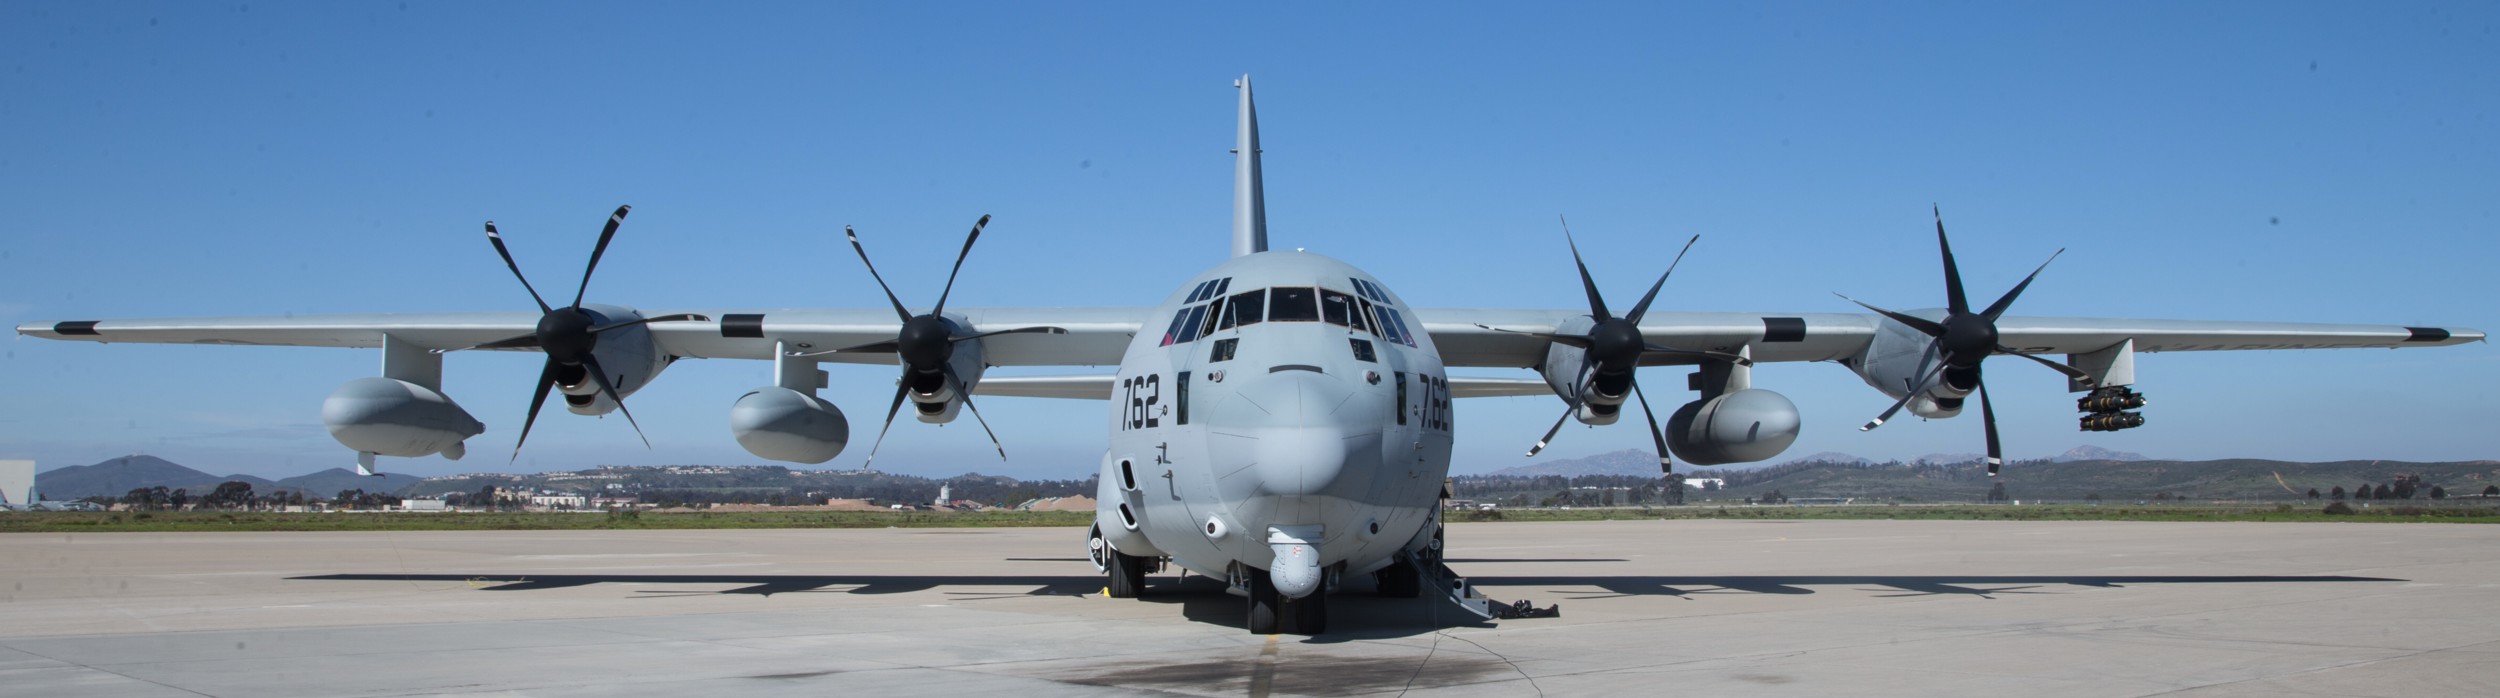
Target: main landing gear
point(1126, 573)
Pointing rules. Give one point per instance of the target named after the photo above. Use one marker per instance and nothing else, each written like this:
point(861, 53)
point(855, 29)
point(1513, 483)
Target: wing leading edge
point(1775, 337)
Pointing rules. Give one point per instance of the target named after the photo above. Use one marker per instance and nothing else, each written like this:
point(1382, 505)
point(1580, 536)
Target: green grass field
point(58, 522)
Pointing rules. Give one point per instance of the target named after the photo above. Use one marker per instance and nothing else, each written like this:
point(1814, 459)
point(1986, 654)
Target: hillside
point(112, 478)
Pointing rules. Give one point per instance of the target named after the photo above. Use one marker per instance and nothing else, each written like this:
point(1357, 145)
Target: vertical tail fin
point(1249, 204)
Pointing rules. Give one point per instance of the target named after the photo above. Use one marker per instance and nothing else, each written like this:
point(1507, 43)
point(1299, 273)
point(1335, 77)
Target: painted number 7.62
point(1139, 397)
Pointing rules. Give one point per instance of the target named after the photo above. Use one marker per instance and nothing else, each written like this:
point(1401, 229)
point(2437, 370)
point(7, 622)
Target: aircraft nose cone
point(1299, 461)
point(1299, 441)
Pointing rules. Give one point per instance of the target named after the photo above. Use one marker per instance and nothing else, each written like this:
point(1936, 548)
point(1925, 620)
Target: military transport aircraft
point(1281, 422)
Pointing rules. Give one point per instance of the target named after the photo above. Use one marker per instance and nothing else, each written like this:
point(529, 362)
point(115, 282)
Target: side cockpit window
point(1193, 320)
point(1173, 333)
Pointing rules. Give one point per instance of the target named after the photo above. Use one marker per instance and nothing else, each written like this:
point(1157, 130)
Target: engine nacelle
point(1742, 426)
point(630, 354)
point(786, 425)
point(397, 418)
point(1603, 403)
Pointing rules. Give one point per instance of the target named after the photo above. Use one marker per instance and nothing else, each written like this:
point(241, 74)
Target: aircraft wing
point(1096, 336)
point(1831, 336)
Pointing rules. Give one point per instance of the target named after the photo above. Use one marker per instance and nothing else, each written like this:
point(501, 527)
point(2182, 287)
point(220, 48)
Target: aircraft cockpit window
point(1363, 350)
point(1379, 295)
point(1366, 290)
point(1221, 285)
point(1249, 306)
point(1335, 306)
point(1365, 313)
point(1292, 304)
point(1225, 320)
point(1199, 293)
point(1224, 349)
point(1388, 331)
point(1358, 314)
point(1173, 333)
point(1190, 325)
point(1394, 325)
point(1213, 309)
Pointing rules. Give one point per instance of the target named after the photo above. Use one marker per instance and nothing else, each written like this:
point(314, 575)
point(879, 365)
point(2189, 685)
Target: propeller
point(1961, 342)
point(1613, 348)
point(926, 344)
point(569, 335)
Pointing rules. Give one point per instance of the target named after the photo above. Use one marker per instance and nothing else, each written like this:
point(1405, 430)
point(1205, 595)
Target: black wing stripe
point(751, 326)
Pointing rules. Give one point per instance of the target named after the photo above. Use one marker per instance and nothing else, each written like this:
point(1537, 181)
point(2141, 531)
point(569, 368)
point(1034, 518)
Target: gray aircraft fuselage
point(1325, 422)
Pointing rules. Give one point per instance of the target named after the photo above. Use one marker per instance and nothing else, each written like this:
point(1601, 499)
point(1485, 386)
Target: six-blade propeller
point(1613, 348)
point(926, 344)
point(569, 335)
point(1960, 343)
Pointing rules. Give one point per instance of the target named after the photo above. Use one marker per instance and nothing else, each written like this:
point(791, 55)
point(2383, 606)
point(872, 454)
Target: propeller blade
point(527, 340)
point(1557, 428)
point(1571, 405)
point(1665, 465)
point(1956, 302)
point(2071, 372)
point(1643, 307)
point(1019, 330)
point(497, 239)
point(872, 273)
point(1737, 359)
point(1988, 419)
point(959, 263)
point(546, 381)
point(680, 317)
point(1597, 303)
point(1568, 340)
point(605, 234)
point(591, 361)
point(966, 392)
point(1998, 308)
point(890, 410)
point(1925, 326)
point(1926, 378)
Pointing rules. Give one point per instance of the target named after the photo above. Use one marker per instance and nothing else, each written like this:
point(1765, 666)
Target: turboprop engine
point(629, 355)
point(781, 424)
point(391, 417)
point(1742, 426)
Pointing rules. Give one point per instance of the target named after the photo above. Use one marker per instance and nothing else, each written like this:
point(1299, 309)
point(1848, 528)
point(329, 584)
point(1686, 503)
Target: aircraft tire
point(1308, 615)
point(1264, 604)
point(1127, 573)
point(1399, 581)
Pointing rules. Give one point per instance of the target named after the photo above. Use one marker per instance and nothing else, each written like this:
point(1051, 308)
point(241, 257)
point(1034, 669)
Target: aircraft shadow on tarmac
point(1355, 613)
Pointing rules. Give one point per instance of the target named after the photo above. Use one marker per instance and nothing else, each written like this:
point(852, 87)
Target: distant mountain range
point(1625, 462)
point(113, 478)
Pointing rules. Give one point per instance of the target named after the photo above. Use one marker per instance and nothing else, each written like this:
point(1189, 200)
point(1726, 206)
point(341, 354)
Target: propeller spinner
point(1959, 343)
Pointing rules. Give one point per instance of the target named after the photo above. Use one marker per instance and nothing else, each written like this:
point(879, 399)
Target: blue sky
point(2330, 162)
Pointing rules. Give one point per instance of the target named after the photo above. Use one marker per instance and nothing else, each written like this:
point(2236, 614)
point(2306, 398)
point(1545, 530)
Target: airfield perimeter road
point(1717, 608)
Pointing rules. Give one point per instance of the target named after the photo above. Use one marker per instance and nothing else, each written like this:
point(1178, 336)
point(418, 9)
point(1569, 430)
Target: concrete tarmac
point(1718, 608)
